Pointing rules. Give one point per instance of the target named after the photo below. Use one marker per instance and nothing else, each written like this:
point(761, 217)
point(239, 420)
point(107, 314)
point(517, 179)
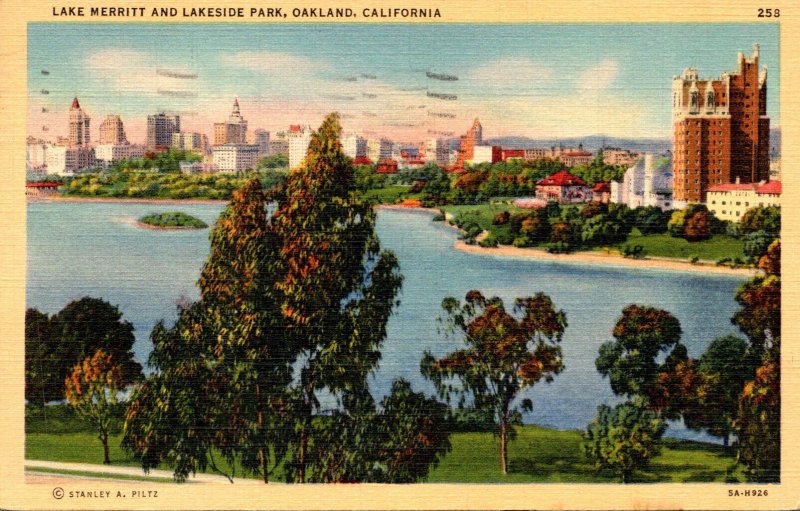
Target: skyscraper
point(474, 137)
point(721, 129)
point(232, 131)
point(112, 131)
point(78, 125)
point(160, 128)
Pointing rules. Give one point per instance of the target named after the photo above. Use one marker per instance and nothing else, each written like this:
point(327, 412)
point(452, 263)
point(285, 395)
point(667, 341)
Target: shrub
point(557, 248)
point(521, 242)
point(693, 259)
point(501, 218)
point(633, 251)
point(489, 241)
point(623, 439)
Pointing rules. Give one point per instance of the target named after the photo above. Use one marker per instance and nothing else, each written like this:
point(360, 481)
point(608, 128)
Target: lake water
point(93, 249)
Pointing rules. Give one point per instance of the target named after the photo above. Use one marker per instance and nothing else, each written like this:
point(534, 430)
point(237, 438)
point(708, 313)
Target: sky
point(535, 80)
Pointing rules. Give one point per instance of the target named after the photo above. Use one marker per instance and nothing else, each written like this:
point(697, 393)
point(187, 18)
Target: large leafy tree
point(54, 345)
point(222, 370)
point(504, 354)
point(758, 424)
point(630, 361)
point(92, 390)
point(722, 372)
point(338, 287)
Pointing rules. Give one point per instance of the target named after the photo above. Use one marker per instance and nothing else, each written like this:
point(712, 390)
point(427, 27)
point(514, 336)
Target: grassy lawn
point(386, 195)
point(104, 475)
point(536, 455)
point(544, 455)
point(664, 245)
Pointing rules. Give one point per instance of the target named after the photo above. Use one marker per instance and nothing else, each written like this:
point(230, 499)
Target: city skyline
point(525, 80)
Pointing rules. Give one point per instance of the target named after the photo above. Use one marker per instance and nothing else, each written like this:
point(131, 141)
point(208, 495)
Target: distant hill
point(591, 143)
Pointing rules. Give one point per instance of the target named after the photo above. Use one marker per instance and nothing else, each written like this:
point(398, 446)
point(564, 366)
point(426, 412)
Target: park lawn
point(482, 214)
point(664, 245)
point(386, 195)
point(536, 455)
point(544, 455)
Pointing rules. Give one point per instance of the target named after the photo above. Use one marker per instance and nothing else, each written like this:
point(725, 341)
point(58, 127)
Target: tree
point(642, 334)
point(504, 354)
point(758, 424)
point(276, 161)
point(222, 370)
point(757, 243)
point(770, 263)
point(761, 218)
point(697, 227)
point(760, 314)
point(623, 439)
point(77, 331)
point(723, 370)
point(92, 388)
point(338, 288)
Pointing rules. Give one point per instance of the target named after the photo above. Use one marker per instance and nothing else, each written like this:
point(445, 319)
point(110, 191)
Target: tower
point(232, 131)
point(112, 131)
point(160, 128)
point(721, 129)
point(78, 125)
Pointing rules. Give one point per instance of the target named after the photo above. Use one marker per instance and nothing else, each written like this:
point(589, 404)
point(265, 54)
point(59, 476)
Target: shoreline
point(599, 259)
point(132, 200)
point(584, 257)
point(143, 225)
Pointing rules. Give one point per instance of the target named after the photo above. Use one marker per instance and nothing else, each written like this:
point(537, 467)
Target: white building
point(647, 183)
point(67, 161)
point(235, 157)
point(190, 141)
point(379, 150)
point(481, 154)
point(354, 146)
point(36, 155)
point(109, 153)
point(299, 137)
point(731, 201)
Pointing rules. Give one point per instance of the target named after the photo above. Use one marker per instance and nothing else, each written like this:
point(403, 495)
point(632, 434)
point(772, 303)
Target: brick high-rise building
point(721, 129)
point(78, 125)
point(160, 128)
point(112, 131)
point(473, 138)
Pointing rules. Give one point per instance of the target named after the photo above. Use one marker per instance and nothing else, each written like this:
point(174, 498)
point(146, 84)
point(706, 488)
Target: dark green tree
point(77, 331)
point(504, 355)
point(722, 372)
point(623, 439)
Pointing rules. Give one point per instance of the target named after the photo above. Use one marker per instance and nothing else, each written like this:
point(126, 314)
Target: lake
point(93, 249)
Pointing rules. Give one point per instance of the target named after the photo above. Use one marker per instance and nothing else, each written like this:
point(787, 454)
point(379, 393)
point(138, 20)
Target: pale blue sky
point(534, 80)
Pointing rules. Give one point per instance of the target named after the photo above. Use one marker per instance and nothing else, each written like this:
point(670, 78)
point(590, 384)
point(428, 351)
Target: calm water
point(92, 249)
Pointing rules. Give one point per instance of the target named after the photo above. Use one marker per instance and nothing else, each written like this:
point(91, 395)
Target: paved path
point(128, 471)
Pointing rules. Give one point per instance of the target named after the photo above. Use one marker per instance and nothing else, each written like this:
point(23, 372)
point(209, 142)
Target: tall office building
point(160, 128)
point(299, 137)
point(721, 129)
point(112, 131)
point(474, 137)
point(78, 125)
point(232, 131)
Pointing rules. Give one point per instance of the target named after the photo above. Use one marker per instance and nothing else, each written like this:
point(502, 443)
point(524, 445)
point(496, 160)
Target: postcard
point(398, 256)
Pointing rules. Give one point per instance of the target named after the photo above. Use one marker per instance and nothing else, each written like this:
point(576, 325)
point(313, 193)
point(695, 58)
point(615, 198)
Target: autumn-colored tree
point(760, 314)
point(504, 354)
point(92, 388)
point(697, 226)
point(338, 288)
point(770, 263)
point(470, 182)
point(758, 425)
point(642, 334)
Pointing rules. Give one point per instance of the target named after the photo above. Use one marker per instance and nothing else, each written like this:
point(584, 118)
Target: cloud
point(121, 70)
point(273, 62)
point(512, 72)
point(599, 77)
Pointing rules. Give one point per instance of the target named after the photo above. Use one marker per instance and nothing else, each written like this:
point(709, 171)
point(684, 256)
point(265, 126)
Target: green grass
point(536, 455)
point(386, 195)
point(664, 245)
point(104, 475)
point(173, 219)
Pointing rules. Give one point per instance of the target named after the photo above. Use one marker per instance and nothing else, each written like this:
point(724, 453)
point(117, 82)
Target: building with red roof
point(387, 167)
point(602, 192)
point(731, 201)
point(564, 188)
point(41, 189)
point(362, 160)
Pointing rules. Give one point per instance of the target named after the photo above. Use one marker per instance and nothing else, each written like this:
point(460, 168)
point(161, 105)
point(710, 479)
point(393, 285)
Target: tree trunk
point(503, 445)
point(262, 456)
point(104, 439)
point(301, 455)
point(725, 440)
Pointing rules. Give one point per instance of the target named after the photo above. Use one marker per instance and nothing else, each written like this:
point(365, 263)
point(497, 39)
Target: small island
point(171, 220)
